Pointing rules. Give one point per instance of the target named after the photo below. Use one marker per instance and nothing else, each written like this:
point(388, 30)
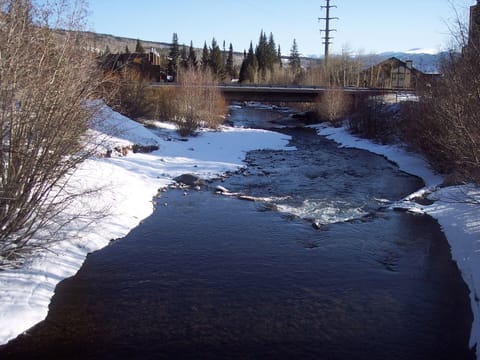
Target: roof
point(398, 61)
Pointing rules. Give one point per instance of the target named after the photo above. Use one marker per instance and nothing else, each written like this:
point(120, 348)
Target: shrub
point(130, 95)
point(445, 124)
point(44, 83)
point(377, 119)
point(333, 105)
point(194, 102)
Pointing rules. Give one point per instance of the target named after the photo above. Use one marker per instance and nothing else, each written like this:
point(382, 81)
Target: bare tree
point(198, 102)
point(44, 83)
point(333, 105)
point(445, 123)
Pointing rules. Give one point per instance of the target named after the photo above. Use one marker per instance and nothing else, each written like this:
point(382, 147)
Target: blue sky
point(364, 25)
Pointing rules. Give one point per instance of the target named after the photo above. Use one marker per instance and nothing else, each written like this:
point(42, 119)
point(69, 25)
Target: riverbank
point(130, 182)
point(456, 208)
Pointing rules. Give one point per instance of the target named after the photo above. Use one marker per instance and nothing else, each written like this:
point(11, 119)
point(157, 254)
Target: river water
point(215, 277)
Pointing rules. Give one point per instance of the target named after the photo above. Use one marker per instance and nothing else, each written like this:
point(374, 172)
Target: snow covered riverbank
point(128, 185)
point(456, 208)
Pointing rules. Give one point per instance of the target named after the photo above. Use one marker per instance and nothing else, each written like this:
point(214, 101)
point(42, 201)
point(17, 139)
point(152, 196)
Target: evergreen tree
point(279, 56)
point(184, 57)
point(107, 50)
point(192, 56)
point(205, 57)
point(261, 53)
point(139, 47)
point(271, 53)
point(216, 60)
point(127, 50)
point(229, 68)
point(249, 69)
point(174, 56)
point(224, 54)
point(242, 76)
point(294, 62)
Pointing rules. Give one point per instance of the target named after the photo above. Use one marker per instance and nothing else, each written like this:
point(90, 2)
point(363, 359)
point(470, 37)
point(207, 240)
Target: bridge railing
point(292, 87)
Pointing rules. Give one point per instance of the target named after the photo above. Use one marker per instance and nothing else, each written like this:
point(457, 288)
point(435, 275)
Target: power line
point(327, 38)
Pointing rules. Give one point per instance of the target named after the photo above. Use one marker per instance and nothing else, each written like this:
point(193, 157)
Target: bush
point(378, 120)
point(44, 83)
point(130, 95)
point(193, 103)
point(333, 105)
point(445, 124)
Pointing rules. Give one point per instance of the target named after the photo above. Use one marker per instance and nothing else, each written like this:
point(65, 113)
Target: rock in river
point(189, 180)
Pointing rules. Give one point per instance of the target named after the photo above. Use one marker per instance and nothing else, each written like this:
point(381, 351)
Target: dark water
point(213, 277)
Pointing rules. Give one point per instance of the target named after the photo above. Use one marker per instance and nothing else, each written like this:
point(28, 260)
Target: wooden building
point(474, 29)
point(394, 73)
point(145, 65)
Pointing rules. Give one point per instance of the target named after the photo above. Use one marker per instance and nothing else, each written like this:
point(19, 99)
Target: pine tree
point(224, 54)
point(174, 56)
point(294, 62)
point(205, 57)
point(271, 53)
point(184, 57)
point(249, 69)
point(216, 60)
point(139, 47)
point(261, 53)
point(229, 68)
point(243, 75)
point(279, 57)
point(192, 56)
point(127, 50)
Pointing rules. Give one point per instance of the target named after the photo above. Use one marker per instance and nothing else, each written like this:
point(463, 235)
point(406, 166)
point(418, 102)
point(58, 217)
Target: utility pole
point(327, 38)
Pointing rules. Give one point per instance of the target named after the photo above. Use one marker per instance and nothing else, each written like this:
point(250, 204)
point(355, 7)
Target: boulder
point(144, 149)
point(189, 180)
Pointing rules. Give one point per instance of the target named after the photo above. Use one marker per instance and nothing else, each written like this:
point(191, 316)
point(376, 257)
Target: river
point(215, 277)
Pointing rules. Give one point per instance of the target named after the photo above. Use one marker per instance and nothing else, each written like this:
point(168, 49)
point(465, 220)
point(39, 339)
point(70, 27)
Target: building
point(145, 65)
point(474, 29)
point(394, 73)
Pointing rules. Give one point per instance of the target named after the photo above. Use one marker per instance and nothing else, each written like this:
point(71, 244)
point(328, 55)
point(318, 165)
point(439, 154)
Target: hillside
point(117, 44)
point(426, 61)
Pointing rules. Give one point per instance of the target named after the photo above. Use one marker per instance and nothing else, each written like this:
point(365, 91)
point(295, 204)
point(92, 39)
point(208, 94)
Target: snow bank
point(126, 187)
point(456, 208)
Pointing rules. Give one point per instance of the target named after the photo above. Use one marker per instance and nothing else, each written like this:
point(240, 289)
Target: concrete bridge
point(286, 94)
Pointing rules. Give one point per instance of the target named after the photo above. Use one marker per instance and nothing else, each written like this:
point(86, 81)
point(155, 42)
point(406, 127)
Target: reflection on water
point(212, 277)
